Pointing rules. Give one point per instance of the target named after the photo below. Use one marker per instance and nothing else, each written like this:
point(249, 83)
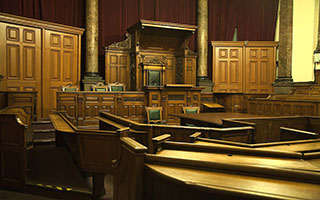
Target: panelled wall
point(38, 56)
point(244, 67)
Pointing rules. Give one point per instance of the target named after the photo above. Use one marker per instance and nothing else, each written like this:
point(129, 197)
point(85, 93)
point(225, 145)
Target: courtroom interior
point(159, 99)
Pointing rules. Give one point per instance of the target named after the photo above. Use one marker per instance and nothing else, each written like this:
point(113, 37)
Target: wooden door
point(12, 153)
point(117, 69)
point(20, 51)
point(60, 66)
point(259, 69)
point(227, 69)
point(170, 72)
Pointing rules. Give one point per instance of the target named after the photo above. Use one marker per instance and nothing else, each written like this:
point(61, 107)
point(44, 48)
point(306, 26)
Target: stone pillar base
point(90, 80)
point(205, 83)
point(283, 85)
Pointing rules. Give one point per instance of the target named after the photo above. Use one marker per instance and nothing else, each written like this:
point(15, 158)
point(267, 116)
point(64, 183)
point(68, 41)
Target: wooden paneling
point(117, 67)
point(284, 107)
point(60, 68)
point(38, 56)
point(84, 107)
point(243, 67)
point(227, 69)
point(172, 100)
point(24, 99)
point(21, 50)
point(190, 70)
point(260, 69)
point(170, 72)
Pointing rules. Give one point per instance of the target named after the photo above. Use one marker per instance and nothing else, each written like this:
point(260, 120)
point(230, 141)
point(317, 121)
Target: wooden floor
point(8, 195)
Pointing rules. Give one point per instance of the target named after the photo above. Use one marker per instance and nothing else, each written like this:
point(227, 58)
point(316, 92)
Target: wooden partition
point(94, 151)
point(268, 129)
point(285, 105)
point(27, 100)
point(84, 107)
point(143, 133)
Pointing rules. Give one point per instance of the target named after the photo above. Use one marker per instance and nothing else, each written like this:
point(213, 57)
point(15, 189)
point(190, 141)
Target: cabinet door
point(260, 70)
point(61, 66)
point(227, 69)
point(20, 50)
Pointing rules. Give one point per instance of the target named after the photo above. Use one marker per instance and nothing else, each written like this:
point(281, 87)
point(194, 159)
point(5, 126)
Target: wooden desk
point(210, 119)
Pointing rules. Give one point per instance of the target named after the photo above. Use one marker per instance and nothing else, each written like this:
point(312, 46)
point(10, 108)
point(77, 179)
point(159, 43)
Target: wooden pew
point(180, 170)
point(144, 133)
point(267, 129)
point(12, 151)
point(94, 151)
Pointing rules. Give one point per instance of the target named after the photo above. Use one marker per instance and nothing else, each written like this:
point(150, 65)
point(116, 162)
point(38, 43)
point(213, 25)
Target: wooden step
point(43, 132)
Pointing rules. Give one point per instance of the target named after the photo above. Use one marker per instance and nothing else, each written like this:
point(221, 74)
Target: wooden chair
point(189, 110)
point(69, 88)
point(99, 87)
point(116, 87)
point(154, 115)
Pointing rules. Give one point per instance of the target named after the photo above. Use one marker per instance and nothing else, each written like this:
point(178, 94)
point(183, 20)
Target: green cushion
point(193, 110)
point(154, 77)
point(70, 89)
point(117, 88)
point(101, 89)
point(154, 114)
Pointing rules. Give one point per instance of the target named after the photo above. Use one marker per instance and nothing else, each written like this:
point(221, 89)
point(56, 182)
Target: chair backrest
point(154, 114)
point(69, 88)
point(99, 87)
point(116, 87)
point(189, 110)
point(154, 78)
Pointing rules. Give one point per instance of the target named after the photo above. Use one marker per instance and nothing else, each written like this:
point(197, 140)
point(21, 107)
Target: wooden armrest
point(194, 136)
point(158, 141)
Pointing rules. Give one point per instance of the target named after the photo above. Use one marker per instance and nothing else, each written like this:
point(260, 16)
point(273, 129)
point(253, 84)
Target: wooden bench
point(179, 170)
point(94, 151)
point(144, 133)
point(268, 129)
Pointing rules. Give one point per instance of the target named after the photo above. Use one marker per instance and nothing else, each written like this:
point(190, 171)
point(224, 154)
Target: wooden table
point(210, 119)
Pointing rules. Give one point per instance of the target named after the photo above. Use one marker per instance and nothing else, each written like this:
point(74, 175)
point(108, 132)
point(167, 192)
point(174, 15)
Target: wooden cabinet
point(244, 67)
point(38, 56)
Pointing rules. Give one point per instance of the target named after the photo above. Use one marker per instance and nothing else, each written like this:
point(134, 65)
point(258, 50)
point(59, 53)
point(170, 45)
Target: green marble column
point(92, 26)
point(284, 80)
point(202, 45)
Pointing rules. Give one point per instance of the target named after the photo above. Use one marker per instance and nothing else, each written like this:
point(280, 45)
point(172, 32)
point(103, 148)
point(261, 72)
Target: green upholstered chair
point(154, 114)
point(99, 87)
point(189, 110)
point(69, 88)
point(154, 77)
point(116, 87)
